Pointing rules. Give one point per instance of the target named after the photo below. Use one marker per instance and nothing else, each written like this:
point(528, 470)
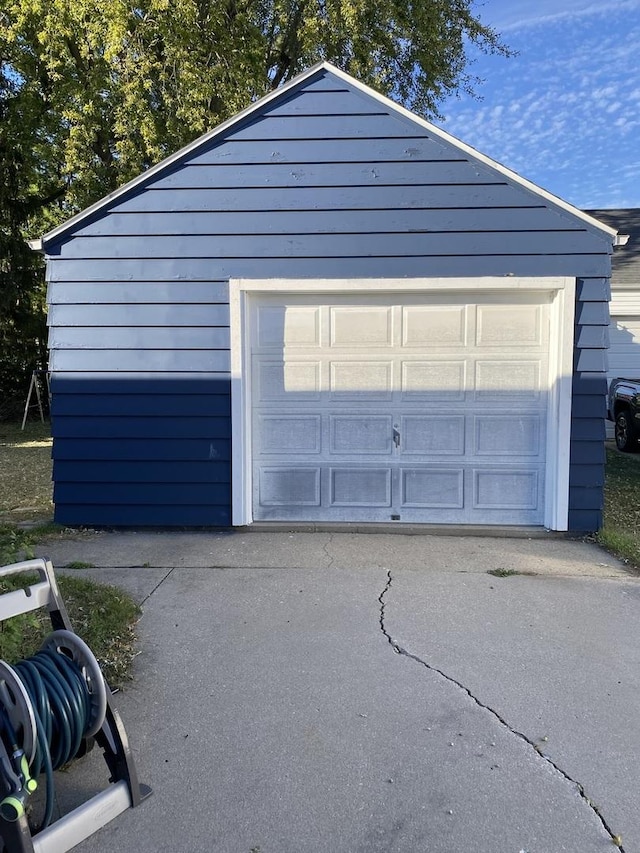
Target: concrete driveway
point(360, 693)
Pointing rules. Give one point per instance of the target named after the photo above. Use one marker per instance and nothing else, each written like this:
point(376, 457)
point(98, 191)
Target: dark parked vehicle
point(623, 408)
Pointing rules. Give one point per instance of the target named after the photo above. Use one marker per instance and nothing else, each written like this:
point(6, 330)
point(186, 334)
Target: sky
point(564, 112)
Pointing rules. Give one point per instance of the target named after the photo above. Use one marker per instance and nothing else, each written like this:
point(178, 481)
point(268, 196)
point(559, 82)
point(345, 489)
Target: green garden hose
point(61, 704)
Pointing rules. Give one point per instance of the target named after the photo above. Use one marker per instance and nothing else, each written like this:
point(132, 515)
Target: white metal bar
point(82, 822)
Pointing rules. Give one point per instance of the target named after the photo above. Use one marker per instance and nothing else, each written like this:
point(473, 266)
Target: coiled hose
point(62, 709)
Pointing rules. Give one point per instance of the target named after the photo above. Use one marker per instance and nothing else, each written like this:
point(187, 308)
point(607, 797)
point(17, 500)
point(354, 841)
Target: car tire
point(625, 433)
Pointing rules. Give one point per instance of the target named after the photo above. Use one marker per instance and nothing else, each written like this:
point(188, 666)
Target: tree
point(92, 92)
point(23, 332)
point(113, 86)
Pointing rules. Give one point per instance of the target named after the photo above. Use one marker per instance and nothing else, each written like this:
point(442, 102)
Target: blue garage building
point(329, 310)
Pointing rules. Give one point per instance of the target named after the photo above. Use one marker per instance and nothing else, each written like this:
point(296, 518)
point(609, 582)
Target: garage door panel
point(509, 325)
point(502, 380)
point(287, 382)
point(361, 380)
point(358, 326)
point(505, 489)
point(290, 434)
point(361, 435)
point(433, 380)
point(432, 488)
point(290, 326)
point(289, 486)
point(360, 487)
point(507, 435)
point(430, 327)
point(439, 435)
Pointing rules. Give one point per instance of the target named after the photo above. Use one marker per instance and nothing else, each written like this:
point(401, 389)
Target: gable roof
point(280, 93)
point(625, 261)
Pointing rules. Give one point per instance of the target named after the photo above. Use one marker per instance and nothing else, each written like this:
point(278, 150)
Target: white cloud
point(505, 15)
point(565, 113)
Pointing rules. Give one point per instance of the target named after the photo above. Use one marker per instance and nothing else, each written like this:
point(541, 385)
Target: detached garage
point(329, 310)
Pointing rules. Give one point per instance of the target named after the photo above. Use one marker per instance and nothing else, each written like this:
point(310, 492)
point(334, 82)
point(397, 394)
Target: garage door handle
point(396, 437)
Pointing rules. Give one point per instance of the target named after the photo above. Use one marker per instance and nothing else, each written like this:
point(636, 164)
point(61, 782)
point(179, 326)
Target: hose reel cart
point(53, 707)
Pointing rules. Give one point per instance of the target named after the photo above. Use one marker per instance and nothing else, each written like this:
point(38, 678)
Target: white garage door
point(405, 408)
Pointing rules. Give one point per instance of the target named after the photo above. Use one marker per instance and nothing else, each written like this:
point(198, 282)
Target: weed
point(79, 564)
point(15, 544)
point(503, 573)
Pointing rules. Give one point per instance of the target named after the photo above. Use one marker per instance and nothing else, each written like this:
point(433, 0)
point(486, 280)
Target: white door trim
point(560, 369)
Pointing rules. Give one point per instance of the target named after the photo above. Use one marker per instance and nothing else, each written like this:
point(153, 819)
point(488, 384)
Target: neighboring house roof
point(626, 258)
point(324, 67)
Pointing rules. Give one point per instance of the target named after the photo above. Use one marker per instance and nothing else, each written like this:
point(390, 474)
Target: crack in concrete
point(324, 548)
point(156, 587)
point(400, 650)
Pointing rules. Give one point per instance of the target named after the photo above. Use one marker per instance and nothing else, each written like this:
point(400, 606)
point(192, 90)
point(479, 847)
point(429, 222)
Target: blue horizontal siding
point(189, 269)
point(331, 245)
point(584, 519)
point(170, 471)
point(587, 453)
point(152, 385)
point(588, 429)
point(589, 498)
point(325, 82)
point(284, 222)
point(151, 449)
point(589, 383)
point(138, 293)
point(324, 183)
point(284, 175)
point(593, 337)
point(326, 127)
point(591, 360)
point(178, 426)
point(135, 360)
point(139, 338)
point(129, 451)
point(589, 476)
point(147, 494)
point(594, 289)
point(419, 149)
point(131, 515)
point(589, 406)
point(416, 195)
point(334, 102)
point(128, 405)
point(592, 313)
point(189, 316)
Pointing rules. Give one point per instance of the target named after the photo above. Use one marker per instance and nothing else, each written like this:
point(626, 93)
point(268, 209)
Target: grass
point(104, 616)
point(25, 472)
point(620, 532)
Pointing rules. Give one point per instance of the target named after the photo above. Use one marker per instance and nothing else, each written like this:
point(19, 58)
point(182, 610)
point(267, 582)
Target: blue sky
point(565, 112)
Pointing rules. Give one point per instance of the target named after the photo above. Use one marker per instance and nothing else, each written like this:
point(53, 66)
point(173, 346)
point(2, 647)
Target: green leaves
point(108, 88)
